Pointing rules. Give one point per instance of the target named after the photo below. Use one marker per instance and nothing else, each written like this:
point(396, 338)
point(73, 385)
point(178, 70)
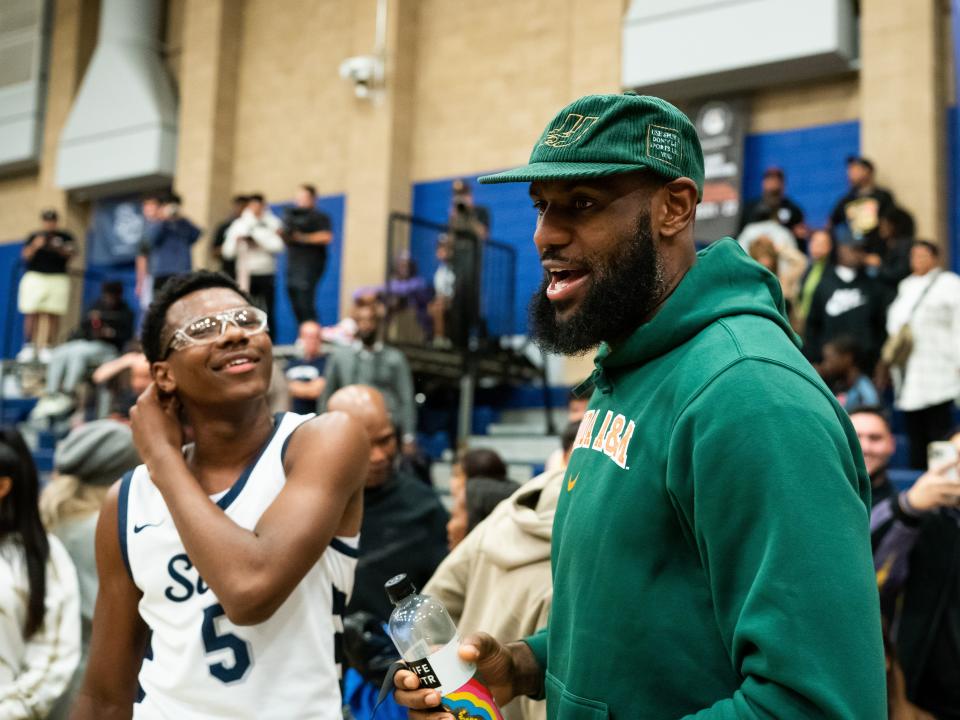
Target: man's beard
point(625, 289)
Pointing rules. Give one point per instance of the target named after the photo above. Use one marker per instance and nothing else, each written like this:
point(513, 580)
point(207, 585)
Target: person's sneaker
point(26, 354)
point(58, 404)
point(44, 355)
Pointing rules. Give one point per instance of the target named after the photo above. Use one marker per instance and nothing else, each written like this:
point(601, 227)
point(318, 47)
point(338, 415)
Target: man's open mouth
point(564, 284)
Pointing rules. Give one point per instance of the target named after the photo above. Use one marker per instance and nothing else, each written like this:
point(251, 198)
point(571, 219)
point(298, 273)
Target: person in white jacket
point(39, 594)
point(926, 388)
point(253, 241)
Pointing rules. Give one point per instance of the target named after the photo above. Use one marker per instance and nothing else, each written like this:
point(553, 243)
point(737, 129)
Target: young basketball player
point(224, 565)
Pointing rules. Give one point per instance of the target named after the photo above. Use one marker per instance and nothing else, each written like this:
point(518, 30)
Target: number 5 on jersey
point(218, 642)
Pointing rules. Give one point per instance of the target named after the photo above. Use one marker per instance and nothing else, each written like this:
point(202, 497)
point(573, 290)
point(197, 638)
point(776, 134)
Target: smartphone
point(940, 453)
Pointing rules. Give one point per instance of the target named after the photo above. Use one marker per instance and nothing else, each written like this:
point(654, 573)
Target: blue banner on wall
point(115, 233)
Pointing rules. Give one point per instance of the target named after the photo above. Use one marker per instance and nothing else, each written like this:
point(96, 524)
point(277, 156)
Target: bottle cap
point(398, 587)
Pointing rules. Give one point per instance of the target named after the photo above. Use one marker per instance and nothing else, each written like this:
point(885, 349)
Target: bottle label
point(464, 696)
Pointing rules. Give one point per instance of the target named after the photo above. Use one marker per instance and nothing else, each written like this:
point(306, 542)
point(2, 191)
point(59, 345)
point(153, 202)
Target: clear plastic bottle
point(428, 641)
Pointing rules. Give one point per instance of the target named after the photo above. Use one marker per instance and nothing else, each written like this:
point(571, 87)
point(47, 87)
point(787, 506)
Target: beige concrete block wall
point(210, 48)
point(491, 74)
point(903, 94)
point(819, 102)
point(293, 111)
point(23, 196)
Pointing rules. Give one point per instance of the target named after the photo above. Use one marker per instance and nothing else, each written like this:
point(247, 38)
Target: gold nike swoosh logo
point(572, 481)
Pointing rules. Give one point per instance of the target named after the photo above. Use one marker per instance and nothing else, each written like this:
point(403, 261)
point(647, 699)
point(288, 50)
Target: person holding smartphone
point(916, 552)
point(44, 293)
point(224, 565)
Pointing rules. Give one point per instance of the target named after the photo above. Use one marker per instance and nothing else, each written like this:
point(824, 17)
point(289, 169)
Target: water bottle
point(427, 640)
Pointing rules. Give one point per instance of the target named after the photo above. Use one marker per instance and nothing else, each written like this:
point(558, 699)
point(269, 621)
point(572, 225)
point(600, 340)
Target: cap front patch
point(663, 144)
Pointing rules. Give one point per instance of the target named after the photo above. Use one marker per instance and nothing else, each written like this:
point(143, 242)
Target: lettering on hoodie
point(612, 439)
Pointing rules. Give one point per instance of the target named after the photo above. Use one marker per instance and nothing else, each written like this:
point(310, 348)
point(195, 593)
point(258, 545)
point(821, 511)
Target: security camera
point(365, 72)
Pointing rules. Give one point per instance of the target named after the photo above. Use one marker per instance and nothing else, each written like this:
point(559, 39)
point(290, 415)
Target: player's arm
point(325, 466)
point(320, 237)
point(141, 264)
point(119, 634)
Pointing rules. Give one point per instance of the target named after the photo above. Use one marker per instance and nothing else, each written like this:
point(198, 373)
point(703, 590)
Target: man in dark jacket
point(847, 302)
point(773, 202)
point(891, 263)
point(404, 524)
point(106, 327)
point(307, 232)
point(916, 550)
point(368, 361)
point(863, 205)
point(167, 243)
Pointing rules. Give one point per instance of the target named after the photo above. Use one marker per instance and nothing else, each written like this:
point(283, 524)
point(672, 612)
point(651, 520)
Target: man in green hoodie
point(711, 550)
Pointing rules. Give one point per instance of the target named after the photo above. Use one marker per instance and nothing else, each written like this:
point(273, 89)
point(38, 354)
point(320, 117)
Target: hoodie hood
point(724, 281)
point(518, 532)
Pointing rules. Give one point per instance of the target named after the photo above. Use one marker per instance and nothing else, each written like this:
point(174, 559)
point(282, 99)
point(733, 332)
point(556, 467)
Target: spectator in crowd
point(367, 361)
point(105, 329)
point(305, 381)
point(121, 381)
point(773, 203)
point(167, 243)
point(151, 206)
point(927, 307)
point(484, 472)
point(39, 597)
point(576, 407)
point(916, 545)
point(898, 706)
point(840, 370)
point(87, 462)
point(863, 205)
point(821, 256)
point(509, 551)
point(44, 293)
point(469, 228)
point(407, 296)
point(892, 264)
point(786, 262)
point(444, 285)
point(736, 540)
point(238, 205)
point(404, 524)
point(253, 242)
point(465, 214)
point(847, 301)
point(767, 226)
point(307, 232)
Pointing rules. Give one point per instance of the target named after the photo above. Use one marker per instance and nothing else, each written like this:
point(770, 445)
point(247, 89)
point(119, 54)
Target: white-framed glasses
point(205, 329)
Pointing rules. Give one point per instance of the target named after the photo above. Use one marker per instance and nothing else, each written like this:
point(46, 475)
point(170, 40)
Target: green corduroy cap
point(601, 135)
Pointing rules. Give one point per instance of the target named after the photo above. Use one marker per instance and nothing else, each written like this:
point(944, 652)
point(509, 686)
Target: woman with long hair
point(39, 598)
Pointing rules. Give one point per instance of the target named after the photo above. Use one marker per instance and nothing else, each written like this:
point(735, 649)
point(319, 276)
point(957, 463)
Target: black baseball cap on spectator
point(49, 214)
point(859, 160)
point(773, 171)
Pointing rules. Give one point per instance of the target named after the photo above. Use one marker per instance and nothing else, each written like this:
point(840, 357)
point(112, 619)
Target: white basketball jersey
point(200, 665)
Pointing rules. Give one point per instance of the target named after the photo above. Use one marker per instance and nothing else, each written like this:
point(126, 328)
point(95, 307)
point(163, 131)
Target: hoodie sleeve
point(764, 476)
